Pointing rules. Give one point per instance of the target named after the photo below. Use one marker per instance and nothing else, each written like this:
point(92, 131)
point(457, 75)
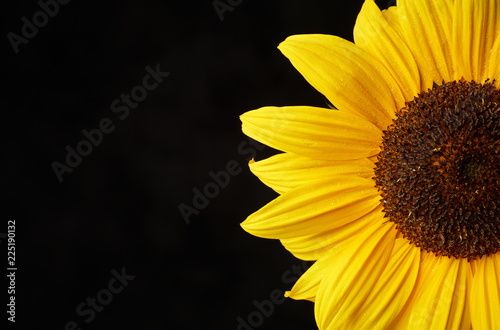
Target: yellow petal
point(286, 171)
point(373, 159)
point(475, 30)
point(494, 62)
point(391, 15)
point(307, 285)
point(318, 246)
point(313, 132)
point(440, 299)
point(391, 291)
point(485, 295)
point(473, 266)
point(427, 30)
point(374, 34)
point(352, 277)
point(351, 79)
point(311, 209)
point(427, 263)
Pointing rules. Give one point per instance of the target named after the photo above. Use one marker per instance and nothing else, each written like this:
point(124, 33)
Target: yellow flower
point(396, 194)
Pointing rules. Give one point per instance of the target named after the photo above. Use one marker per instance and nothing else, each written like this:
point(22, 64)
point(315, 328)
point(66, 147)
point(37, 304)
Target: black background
point(120, 206)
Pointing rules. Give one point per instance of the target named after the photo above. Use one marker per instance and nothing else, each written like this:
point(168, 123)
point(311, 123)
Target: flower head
point(395, 195)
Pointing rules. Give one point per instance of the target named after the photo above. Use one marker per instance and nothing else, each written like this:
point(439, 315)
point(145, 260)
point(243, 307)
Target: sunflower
point(394, 193)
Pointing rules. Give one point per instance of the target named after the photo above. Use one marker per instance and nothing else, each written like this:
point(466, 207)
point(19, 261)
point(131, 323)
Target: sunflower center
point(439, 170)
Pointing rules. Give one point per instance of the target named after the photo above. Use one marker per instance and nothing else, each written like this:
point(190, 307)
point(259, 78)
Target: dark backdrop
point(117, 209)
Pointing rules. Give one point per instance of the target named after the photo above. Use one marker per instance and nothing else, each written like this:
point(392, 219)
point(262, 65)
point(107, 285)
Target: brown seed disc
point(439, 170)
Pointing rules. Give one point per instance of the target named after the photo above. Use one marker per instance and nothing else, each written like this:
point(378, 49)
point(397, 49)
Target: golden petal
point(307, 285)
point(321, 245)
point(286, 171)
point(427, 30)
point(318, 133)
point(485, 295)
point(374, 34)
point(311, 209)
point(390, 293)
point(494, 62)
point(391, 15)
point(351, 79)
point(352, 277)
point(440, 299)
point(475, 30)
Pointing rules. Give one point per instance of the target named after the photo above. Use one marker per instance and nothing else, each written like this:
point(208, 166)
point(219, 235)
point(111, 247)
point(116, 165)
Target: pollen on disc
point(438, 171)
